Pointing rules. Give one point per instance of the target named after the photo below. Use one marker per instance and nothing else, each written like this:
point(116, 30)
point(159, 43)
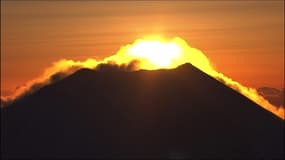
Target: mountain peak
point(185, 66)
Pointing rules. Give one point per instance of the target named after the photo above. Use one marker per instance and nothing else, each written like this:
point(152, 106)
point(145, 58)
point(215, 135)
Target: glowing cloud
point(58, 69)
point(152, 53)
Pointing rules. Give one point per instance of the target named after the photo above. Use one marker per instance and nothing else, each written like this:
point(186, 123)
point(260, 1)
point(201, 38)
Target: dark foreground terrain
point(167, 114)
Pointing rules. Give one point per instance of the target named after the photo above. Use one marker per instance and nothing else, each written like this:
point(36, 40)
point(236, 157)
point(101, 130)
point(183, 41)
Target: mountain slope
point(179, 113)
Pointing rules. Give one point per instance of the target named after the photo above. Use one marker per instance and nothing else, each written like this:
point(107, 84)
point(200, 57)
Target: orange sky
point(244, 40)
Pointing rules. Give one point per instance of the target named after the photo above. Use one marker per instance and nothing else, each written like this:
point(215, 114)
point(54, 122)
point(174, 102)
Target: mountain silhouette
point(168, 114)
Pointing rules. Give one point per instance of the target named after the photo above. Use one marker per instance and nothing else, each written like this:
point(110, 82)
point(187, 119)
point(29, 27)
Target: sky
point(243, 39)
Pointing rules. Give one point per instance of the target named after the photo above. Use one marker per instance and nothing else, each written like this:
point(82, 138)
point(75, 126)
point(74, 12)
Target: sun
point(154, 53)
point(159, 53)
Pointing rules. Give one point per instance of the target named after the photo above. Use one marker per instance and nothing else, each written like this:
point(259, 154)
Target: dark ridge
point(180, 113)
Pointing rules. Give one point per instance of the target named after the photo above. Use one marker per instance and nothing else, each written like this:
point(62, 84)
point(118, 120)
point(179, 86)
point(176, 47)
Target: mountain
point(166, 114)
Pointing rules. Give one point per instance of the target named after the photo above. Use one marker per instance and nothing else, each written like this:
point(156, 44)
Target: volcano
point(115, 114)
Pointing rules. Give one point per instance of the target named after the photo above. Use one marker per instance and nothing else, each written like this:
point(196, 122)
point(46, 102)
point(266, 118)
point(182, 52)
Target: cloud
point(60, 70)
point(112, 66)
point(57, 76)
point(273, 95)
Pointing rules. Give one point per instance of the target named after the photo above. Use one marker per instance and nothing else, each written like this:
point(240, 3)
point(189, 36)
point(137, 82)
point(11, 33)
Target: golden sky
point(244, 40)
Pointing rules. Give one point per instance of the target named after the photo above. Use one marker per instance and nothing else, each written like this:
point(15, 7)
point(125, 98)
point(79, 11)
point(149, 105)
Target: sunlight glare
point(158, 53)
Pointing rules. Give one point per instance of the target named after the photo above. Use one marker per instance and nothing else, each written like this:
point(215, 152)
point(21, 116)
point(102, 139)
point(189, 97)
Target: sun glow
point(152, 53)
point(156, 53)
point(161, 54)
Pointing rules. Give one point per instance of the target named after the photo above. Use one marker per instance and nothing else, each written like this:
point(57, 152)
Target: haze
point(244, 40)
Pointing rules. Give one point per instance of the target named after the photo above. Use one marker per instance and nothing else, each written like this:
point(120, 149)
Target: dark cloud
point(36, 86)
point(57, 76)
point(273, 95)
point(133, 65)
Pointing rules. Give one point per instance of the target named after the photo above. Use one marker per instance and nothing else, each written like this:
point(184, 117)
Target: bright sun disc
point(160, 54)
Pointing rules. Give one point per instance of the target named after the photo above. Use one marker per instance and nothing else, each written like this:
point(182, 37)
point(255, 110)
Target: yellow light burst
point(158, 53)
